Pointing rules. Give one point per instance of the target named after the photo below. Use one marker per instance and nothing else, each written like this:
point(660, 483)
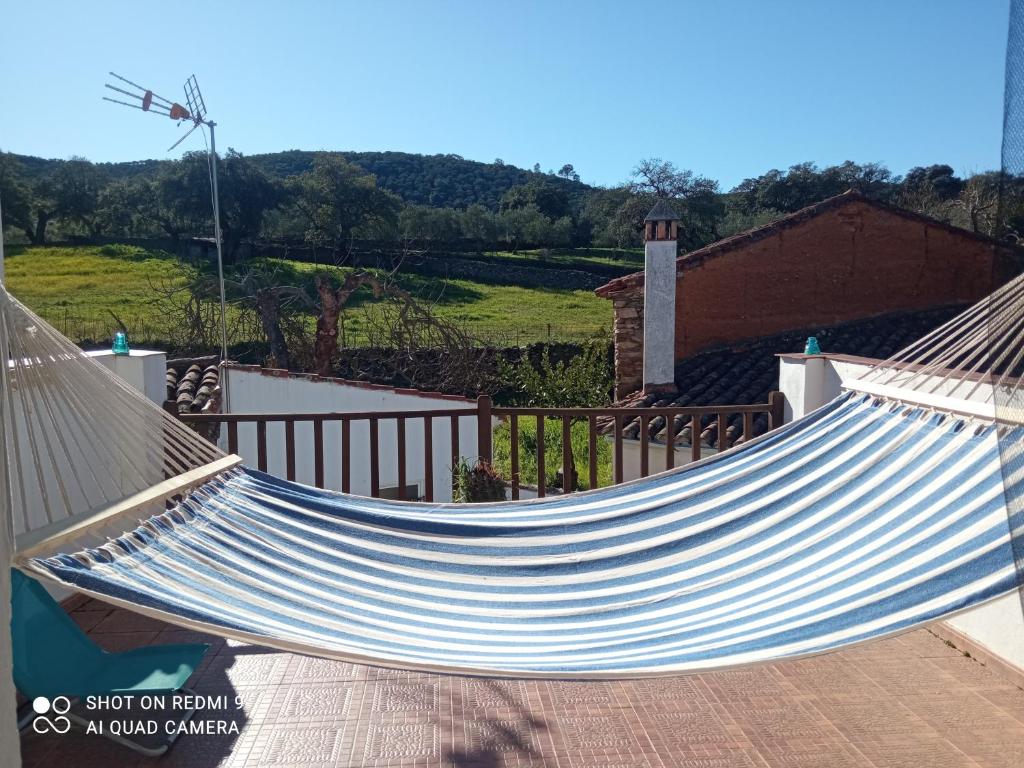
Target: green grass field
point(579, 258)
point(80, 289)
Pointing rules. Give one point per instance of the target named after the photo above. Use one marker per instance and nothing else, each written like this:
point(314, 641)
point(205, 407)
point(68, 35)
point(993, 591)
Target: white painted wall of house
point(260, 392)
point(632, 455)
point(810, 382)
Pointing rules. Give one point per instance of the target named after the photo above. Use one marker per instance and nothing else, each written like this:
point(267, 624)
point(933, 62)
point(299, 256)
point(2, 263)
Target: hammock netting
point(886, 509)
point(1008, 224)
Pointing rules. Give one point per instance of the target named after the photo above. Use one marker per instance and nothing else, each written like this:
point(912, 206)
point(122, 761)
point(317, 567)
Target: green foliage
point(14, 194)
point(247, 195)
point(736, 221)
point(340, 201)
point(550, 199)
point(440, 181)
point(334, 200)
point(431, 225)
point(584, 382)
point(579, 438)
point(478, 483)
point(805, 184)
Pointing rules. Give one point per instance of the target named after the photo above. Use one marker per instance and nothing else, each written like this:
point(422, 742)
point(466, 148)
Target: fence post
point(483, 428)
point(776, 408)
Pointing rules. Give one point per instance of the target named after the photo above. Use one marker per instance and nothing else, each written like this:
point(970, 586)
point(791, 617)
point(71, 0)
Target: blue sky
point(729, 88)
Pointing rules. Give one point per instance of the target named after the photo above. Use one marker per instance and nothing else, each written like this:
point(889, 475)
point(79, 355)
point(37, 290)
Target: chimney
point(661, 229)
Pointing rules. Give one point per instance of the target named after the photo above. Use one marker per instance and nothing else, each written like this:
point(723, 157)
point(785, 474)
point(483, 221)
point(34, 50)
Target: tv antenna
point(194, 111)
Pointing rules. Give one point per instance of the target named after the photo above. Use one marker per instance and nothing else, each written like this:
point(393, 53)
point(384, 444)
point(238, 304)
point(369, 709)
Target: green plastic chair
point(54, 657)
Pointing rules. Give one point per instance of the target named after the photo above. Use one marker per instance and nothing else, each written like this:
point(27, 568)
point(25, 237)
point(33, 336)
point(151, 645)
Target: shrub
point(584, 382)
point(478, 483)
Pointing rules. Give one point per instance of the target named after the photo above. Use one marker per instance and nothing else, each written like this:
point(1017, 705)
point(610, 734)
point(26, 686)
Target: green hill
point(441, 181)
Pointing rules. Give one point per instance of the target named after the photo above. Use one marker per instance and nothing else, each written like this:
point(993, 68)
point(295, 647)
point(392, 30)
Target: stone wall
point(629, 344)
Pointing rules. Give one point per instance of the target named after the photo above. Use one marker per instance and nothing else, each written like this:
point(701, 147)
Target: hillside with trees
point(397, 202)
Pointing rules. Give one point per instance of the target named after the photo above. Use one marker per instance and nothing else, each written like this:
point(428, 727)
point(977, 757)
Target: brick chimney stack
point(661, 230)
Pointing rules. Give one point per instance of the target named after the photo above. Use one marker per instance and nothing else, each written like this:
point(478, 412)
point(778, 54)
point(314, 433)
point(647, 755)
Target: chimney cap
point(662, 211)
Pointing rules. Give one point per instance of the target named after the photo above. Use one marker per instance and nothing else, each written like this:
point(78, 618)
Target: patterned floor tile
point(247, 668)
point(746, 684)
point(395, 696)
point(933, 753)
point(612, 734)
point(303, 748)
point(492, 694)
point(305, 669)
point(401, 742)
point(907, 701)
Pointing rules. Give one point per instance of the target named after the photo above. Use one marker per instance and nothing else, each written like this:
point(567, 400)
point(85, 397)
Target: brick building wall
point(843, 259)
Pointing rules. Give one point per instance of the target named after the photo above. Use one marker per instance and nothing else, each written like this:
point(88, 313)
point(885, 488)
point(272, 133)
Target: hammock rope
point(871, 516)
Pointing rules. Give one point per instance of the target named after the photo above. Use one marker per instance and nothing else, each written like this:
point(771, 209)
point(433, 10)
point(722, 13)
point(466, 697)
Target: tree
point(78, 185)
point(519, 225)
point(602, 220)
point(15, 196)
point(978, 202)
point(568, 172)
point(435, 225)
point(937, 180)
point(805, 184)
point(247, 194)
point(550, 199)
point(118, 207)
point(270, 300)
point(479, 224)
point(660, 178)
point(178, 200)
point(695, 198)
point(338, 200)
point(70, 191)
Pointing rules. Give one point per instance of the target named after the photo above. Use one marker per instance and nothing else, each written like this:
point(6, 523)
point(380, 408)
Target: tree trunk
point(268, 307)
point(39, 238)
point(332, 302)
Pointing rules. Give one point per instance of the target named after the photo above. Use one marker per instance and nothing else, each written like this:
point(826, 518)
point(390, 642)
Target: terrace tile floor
point(908, 701)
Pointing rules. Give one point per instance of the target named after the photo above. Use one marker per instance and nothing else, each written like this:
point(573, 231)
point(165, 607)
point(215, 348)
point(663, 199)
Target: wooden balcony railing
point(705, 428)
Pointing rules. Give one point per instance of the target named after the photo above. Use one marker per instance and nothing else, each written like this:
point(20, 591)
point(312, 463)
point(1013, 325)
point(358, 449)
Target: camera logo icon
point(59, 706)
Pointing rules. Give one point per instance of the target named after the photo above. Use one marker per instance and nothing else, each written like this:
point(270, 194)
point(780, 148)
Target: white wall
point(257, 391)
point(659, 311)
point(144, 369)
point(810, 382)
point(632, 455)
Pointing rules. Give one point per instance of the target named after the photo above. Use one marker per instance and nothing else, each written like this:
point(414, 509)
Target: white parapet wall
point(143, 369)
point(810, 381)
point(260, 390)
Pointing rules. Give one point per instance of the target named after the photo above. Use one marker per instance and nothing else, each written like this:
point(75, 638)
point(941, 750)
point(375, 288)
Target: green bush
point(584, 382)
point(552, 453)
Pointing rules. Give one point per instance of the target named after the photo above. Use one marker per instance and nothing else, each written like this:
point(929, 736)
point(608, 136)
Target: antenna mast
point(195, 112)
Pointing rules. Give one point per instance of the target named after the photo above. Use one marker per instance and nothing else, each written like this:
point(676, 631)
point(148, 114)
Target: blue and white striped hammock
point(864, 519)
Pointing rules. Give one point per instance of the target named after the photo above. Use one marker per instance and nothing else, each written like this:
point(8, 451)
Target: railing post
point(776, 407)
point(483, 428)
